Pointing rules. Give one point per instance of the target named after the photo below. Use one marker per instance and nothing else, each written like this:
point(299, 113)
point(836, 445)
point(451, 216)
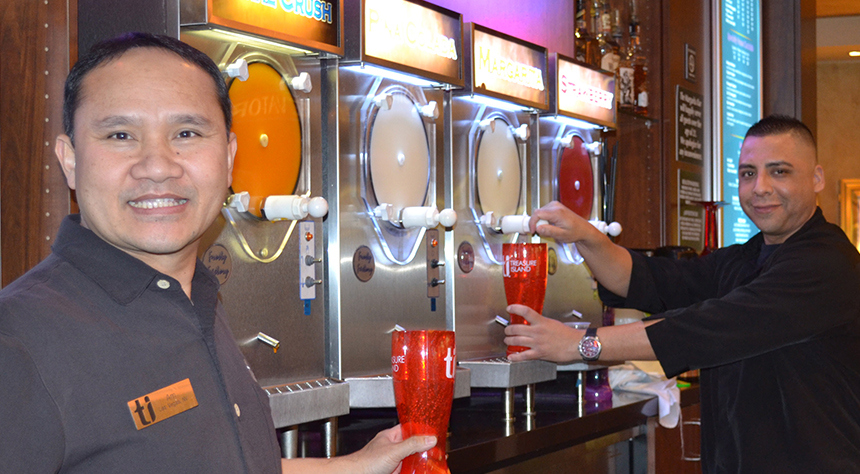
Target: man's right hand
point(562, 224)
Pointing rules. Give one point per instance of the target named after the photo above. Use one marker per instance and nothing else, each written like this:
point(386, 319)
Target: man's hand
point(382, 455)
point(547, 338)
point(563, 225)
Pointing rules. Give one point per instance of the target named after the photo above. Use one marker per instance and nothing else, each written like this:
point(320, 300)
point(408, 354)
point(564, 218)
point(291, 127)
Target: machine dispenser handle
point(294, 207)
point(613, 229)
point(238, 69)
point(309, 282)
point(302, 82)
point(427, 216)
point(515, 224)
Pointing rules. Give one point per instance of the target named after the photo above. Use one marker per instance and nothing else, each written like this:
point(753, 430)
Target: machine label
point(413, 35)
point(162, 404)
point(311, 23)
point(512, 68)
point(218, 260)
point(585, 93)
point(363, 264)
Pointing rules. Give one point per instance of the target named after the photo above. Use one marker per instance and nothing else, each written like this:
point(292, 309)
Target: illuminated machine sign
point(582, 92)
point(508, 68)
point(311, 23)
point(740, 107)
point(414, 37)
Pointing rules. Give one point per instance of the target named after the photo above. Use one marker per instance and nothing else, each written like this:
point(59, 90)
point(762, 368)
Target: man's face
point(152, 160)
point(778, 180)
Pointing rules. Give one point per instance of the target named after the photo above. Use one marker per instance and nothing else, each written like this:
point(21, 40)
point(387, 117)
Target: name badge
point(162, 404)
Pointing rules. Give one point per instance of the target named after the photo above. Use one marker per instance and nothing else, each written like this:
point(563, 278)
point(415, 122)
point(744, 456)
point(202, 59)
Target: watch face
point(589, 348)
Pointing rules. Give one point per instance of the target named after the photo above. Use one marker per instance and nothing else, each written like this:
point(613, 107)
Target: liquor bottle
point(618, 34)
point(606, 49)
point(593, 46)
point(633, 74)
point(581, 35)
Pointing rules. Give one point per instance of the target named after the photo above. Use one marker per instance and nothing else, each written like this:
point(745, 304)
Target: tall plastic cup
point(423, 365)
point(525, 279)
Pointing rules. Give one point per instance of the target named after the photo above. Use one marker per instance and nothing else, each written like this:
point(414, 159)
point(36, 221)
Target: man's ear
point(65, 152)
point(818, 178)
point(232, 146)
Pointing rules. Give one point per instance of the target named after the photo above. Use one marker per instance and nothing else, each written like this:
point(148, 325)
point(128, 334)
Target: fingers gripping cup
point(525, 279)
point(423, 365)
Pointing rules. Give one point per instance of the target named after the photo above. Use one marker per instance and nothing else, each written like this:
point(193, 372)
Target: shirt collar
point(119, 274)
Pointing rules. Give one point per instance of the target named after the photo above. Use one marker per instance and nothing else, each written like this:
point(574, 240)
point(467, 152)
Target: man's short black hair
point(779, 124)
point(110, 49)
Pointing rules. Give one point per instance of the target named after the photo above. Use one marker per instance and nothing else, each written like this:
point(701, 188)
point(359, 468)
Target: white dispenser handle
point(426, 216)
point(294, 207)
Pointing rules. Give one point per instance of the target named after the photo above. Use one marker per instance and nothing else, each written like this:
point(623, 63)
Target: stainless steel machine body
point(270, 270)
point(493, 168)
point(388, 269)
point(571, 171)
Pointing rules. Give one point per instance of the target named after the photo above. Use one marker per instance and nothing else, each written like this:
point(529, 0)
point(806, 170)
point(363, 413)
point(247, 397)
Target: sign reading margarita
point(585, 93)
point(509, 68)
point(312, 23)
point(412, 35)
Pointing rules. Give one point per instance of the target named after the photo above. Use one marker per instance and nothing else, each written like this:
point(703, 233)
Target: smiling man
point(773, 324)
point(115, 355)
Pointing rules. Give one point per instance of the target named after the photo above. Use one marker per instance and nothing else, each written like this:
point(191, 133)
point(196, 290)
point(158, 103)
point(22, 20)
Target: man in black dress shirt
point(773, 324)
point(114, 351)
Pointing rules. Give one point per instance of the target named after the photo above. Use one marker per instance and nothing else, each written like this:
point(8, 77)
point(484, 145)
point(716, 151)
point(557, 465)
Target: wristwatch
point(589, 346)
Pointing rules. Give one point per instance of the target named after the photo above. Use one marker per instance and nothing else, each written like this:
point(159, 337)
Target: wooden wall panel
point(34, 38)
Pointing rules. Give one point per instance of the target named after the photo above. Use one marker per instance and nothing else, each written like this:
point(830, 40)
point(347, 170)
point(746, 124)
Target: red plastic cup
point(525, 279)
point(423, 365)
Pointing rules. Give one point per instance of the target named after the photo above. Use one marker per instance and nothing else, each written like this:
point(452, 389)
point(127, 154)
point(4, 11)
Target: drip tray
point(378, 391)
point(584, 366)
point(302, 402)
point(499, 372)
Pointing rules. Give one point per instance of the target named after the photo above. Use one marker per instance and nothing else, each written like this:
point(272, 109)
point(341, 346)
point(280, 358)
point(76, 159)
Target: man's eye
point(120, 136)
point(187, 134)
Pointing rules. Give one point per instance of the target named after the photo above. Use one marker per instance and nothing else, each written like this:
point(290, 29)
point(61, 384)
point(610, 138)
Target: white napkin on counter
point(631, 377)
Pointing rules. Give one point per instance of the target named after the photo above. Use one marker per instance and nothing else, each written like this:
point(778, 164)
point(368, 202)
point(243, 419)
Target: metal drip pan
point(583, 366)
point(378, 391)
point(499, 372)
point(312, 400)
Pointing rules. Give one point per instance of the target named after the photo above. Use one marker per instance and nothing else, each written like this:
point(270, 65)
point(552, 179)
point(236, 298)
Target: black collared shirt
point(778, 342)
point(91, 329)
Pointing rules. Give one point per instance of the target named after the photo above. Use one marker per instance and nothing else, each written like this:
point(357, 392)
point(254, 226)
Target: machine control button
point(436, 282)
point(309, 282)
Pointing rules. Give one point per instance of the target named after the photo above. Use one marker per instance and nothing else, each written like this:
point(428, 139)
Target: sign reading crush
point(423, 365)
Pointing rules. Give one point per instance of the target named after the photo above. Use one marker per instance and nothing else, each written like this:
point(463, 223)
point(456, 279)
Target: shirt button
point(238, 412)
point(163, 284)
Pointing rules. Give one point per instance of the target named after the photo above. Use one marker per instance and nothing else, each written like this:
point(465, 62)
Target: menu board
point(507, 68)
point(414, 37)
point(740, 70)
point(582, 92)
point(314, 23)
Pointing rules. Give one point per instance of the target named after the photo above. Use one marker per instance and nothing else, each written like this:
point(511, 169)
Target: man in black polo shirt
point(773, 324)
point(114, 351)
